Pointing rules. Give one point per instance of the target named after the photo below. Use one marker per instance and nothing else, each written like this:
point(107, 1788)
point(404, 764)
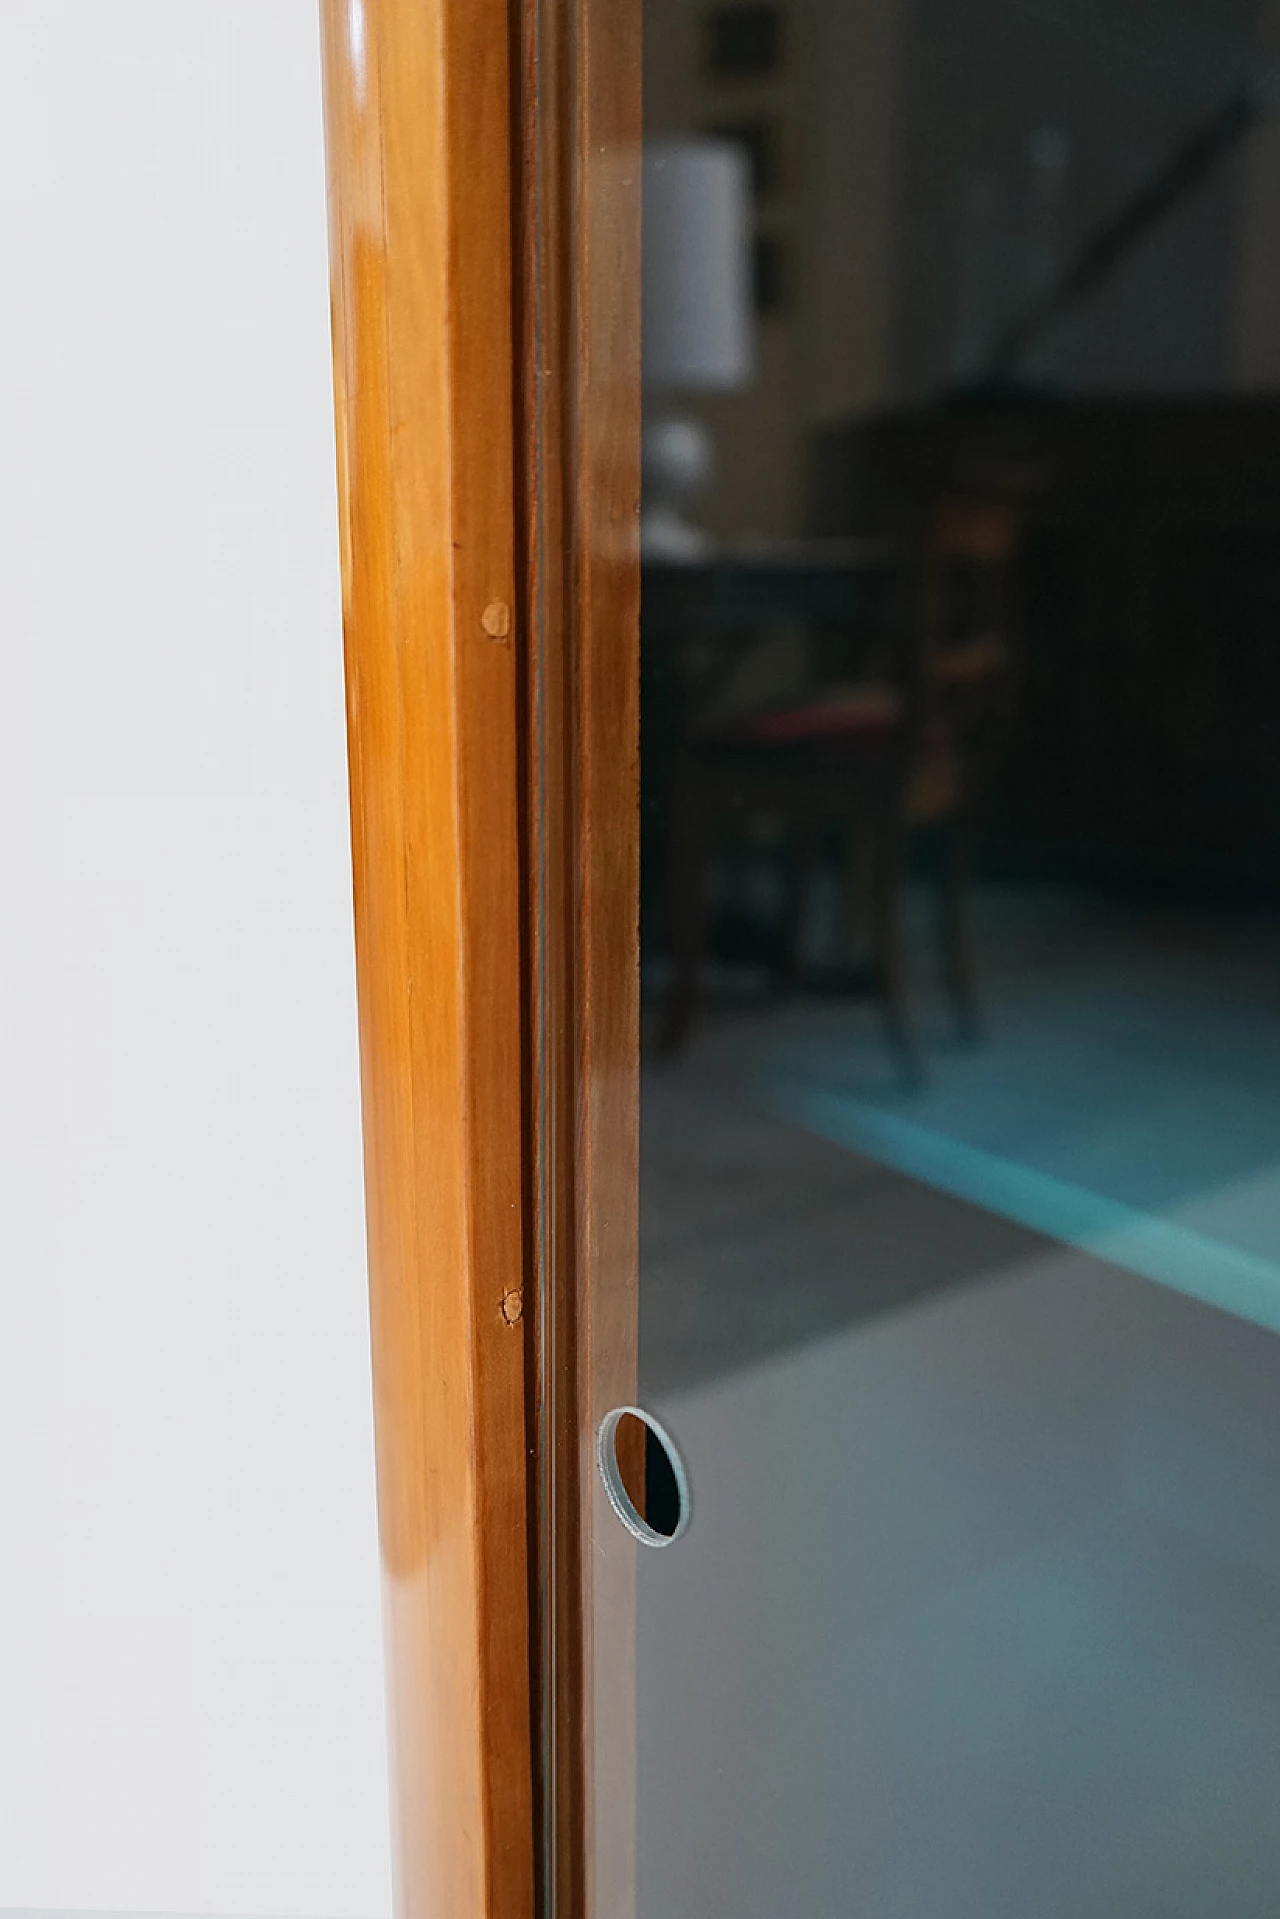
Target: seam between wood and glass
point(577, 116)
point(529, 233)
point(547, 1397)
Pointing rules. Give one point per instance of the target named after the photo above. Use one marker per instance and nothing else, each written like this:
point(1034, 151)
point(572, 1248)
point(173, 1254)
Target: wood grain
point(580, 408)
point(544, 411)
point(606, 545)
point(418, 130)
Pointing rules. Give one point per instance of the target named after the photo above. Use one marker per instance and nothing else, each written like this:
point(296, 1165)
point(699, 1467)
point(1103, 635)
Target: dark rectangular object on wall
point(1145, 746)
point(743, 42)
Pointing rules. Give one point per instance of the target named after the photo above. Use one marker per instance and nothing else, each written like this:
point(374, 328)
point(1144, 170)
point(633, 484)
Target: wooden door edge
point(484, 214)
point(418, 138)
point(578, 240)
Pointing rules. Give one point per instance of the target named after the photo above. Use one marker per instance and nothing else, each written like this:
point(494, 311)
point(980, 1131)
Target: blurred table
point(745, 587)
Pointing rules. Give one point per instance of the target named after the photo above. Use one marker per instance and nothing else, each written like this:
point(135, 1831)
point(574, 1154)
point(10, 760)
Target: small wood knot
point(513, 1307)
point(496, 619)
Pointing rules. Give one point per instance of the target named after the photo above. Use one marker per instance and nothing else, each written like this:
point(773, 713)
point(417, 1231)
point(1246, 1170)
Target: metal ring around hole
point(618, 1496)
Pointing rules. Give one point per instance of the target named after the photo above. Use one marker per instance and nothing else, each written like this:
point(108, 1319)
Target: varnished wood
point(606, 544)
point(579, 231)
point(418, 128)
point(544, 407)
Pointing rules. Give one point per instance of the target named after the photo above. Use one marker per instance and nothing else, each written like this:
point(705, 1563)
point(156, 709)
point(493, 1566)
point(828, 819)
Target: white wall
point(190, 1665)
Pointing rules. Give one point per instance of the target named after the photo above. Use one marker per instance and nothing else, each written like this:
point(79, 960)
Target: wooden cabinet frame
point(484, 193)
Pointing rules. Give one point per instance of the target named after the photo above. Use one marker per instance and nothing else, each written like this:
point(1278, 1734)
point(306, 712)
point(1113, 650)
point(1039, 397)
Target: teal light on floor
point(1206, 1269)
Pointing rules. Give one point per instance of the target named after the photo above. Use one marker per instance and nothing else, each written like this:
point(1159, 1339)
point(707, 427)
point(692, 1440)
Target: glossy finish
point(608, 509)
point(969, 1341)
point(419, 156)
point(580, 411)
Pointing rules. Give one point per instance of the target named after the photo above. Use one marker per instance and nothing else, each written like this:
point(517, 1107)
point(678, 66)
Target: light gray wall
point(191, 1712)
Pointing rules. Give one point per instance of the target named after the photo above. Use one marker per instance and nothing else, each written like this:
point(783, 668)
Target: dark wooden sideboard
point(1148, 741)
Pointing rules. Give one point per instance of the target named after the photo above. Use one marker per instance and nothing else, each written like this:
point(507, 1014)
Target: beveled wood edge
point(545, 438)
point(578, 238)
point(607, 552)
point(419, 153)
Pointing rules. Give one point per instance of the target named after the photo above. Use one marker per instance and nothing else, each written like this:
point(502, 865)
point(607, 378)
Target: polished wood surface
point(544, 407)
point(579, 231)
point(606, 543)
point(418, 128)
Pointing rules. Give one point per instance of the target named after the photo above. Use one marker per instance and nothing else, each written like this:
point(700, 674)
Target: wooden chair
point(912, 743)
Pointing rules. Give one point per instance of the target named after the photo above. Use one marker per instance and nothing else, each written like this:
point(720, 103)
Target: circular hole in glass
point(644, 1476)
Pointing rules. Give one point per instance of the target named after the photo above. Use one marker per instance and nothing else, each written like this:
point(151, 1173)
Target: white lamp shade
point(696, 313)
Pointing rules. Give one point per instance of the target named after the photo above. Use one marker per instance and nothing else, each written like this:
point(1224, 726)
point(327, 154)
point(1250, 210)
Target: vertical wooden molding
point(607, 549)
point(419, 142)
point(543, 222)
point(579, 239)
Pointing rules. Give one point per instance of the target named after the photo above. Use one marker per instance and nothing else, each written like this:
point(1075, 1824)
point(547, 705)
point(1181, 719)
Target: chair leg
point(890, 950)
point(858, 890)
point(954, 930)
point(693, 834)
point(798, 885)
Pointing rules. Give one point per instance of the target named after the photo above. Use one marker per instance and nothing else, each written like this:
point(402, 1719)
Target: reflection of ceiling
point(1126, 82)
point(1202, 46)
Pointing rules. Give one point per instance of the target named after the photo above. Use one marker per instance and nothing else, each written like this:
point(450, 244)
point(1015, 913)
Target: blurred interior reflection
point(961, 957)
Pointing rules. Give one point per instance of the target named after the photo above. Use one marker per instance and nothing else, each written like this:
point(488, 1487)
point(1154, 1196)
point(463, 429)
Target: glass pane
point(960, 1276)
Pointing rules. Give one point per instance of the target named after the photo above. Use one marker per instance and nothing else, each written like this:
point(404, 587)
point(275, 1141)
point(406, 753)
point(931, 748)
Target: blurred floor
point(1125, 1098)
point(977, 1616)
